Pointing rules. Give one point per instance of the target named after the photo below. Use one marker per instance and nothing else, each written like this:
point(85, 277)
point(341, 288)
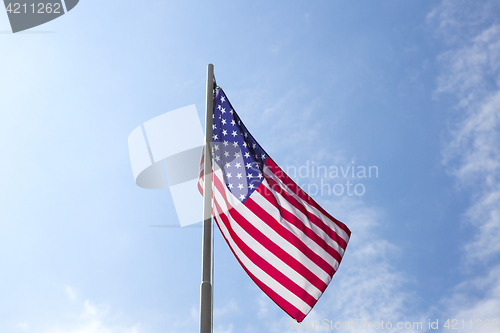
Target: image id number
point(39, 8)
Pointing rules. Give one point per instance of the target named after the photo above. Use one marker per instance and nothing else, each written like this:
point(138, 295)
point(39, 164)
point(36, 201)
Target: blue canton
point(235, 151)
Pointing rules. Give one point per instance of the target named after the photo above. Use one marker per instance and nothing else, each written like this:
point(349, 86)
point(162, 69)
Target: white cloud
point(229, 308)
point(223, 329)
point(458, 20)
point(472, 74)
point(94, 318)
point(368, 286)
point(22, 326)
point(485, 215)
point(71, 292)
point(465, 304)
point(467, 67)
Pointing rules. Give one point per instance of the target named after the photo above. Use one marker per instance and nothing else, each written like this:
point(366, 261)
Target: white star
point(263, 155)
point(247, 154)
point(233, 122)
point(234, 133)
point(215, 137)
point(223, 110)
point(214, 126)
point(239, 122)
point(236, 155)
point(226, 154)
point(240, 186)
point(254, 145)
point(228, 175)
point(222, 99)
point(228, 165)
point(213, 116)
point(231, 112)
point(251, 186)
point(249, 176)
point(235, 144)
point(242, 197)
point(260, 175)
point(224, 132)
point(219, 107)
point(239, 176)
point(223, 121)
point(249, 165)
point(237, 165)
point(216, 147)
point(246, 134)
point(245, 144)
point(230, 185)
point(225, 143)
point(217, 158)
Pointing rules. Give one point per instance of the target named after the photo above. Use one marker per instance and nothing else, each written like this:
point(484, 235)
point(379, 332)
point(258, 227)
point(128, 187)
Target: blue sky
point(411, 87)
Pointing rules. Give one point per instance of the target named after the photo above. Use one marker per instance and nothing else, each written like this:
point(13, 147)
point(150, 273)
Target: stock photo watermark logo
point(363, 324)
point(25, 15)
point(166, 149)
point(334, 180)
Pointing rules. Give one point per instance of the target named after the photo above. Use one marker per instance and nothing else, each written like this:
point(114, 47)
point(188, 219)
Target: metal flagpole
point(206, 281)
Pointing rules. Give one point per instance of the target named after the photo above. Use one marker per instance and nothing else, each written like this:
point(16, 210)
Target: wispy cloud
point(465, 304)
point(457, 21)
point(82, 316)
point(471, 73)
point(22, 326)
point(368, 285)
point(94, 318)
point(71, 292)
point(229, 308)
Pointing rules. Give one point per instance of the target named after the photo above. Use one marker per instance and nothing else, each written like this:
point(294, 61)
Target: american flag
point(289, 246)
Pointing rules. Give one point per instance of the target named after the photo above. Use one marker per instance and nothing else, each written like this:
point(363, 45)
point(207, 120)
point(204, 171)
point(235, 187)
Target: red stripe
point(202, 169)
point(289, 235)
point(280, 301)
point(291, 310)
point(200, 188)
point(303, 195)
point(254, 257)
point(293, 219)
point(310, 216)
point(278, 251)
point(296, 242)
point(274, 186)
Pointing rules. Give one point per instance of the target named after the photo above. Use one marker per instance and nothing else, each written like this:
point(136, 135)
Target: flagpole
point(206, 281)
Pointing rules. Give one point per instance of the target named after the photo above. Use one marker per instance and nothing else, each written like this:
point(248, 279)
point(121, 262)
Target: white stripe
point(259, 273)
point(325, 219)
point(318, 271)
point(317, 230)
point(260, 250)
point(289, 247)
point(329, 223)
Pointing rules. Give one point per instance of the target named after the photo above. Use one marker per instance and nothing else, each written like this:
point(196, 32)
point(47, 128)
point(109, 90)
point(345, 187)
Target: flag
point(289, 246)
